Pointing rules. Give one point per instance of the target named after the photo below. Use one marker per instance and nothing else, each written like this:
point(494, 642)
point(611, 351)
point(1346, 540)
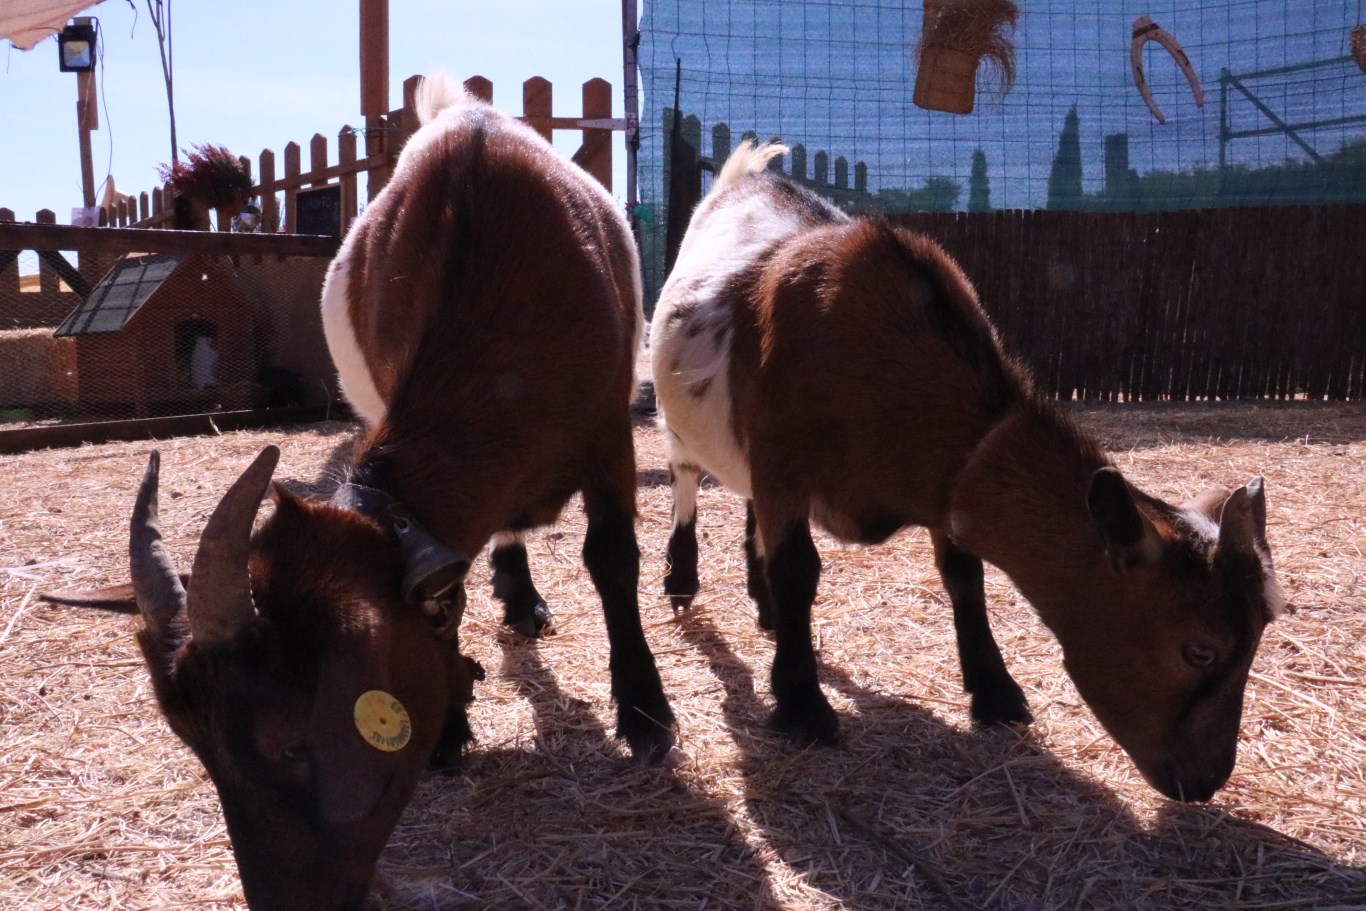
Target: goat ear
point(1256, 498)
point(1129, 538)
point(1238, 523)
point(1242, 530)
point(1208, 503)
point(117, 599)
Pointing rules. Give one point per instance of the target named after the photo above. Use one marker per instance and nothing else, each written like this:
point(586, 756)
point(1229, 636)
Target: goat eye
point(294, 753)
point(1198, 654)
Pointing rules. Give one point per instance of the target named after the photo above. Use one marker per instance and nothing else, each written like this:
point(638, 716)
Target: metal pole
point(630, 40)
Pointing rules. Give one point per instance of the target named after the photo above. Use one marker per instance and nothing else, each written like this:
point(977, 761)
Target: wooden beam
point(74, 280)
point(374, 57)
point(87, 119)
point(29, 438)
point(139, 240)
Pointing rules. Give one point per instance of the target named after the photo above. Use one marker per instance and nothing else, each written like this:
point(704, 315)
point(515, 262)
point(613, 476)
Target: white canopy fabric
point(26, 22)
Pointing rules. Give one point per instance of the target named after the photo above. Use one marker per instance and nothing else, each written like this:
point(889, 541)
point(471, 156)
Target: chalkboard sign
point(318, 211)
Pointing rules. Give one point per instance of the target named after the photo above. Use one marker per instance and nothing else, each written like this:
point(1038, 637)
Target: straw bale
point(35, 368)
point(100, 806)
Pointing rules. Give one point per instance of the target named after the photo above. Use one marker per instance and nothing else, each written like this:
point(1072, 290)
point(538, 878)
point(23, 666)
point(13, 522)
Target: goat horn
point(156, 585)
point(220, 599)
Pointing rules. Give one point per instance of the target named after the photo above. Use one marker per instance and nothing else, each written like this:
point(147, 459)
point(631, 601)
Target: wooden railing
point(278, 182)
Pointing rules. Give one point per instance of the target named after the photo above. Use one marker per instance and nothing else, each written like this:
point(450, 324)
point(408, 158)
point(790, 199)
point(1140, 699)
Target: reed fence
point(1205, 304)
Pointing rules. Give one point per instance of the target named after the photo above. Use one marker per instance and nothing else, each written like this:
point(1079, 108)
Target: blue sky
point(253, 75)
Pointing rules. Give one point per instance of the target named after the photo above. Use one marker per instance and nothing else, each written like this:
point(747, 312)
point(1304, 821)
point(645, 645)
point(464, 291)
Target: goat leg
point(996, 697)
point(523, 607)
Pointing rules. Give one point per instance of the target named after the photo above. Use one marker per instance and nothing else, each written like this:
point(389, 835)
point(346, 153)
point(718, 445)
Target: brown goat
point(843, 371)
point(484, 313)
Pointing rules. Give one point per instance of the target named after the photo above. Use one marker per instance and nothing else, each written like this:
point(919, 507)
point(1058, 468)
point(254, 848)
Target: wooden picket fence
point(1196, 305)
point(373, 152)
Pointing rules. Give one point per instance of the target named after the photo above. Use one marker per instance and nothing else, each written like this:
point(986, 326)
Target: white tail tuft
point(746, 159)
point(436, 93)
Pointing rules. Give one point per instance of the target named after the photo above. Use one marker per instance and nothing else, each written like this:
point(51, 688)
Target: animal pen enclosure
point(103, 808)
point(222, 324)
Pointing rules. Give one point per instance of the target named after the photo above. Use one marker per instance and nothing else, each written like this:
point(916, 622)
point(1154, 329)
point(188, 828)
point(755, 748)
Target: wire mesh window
point(1283, 119)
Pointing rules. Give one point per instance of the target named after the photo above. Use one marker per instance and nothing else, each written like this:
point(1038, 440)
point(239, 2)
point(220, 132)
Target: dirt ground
point(101, 807)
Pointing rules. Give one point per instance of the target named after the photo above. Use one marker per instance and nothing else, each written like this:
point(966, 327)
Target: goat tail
point(437, 92)
point(746, 159)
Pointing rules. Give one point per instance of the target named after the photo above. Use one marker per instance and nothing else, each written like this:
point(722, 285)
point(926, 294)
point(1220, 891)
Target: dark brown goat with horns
point(842, 370)
point(484, 314)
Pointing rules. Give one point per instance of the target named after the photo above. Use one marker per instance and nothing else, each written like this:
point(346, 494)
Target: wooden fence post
point(408, 123)
point(48, 281)
point(480, 88)
point(346, 156)
point(317, 158)
point(270, 209)
point(9, 265)
point(291, 170)
point(595, 155)
point(537, 105)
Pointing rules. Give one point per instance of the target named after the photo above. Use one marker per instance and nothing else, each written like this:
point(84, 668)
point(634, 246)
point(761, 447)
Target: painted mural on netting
point(1283, 119)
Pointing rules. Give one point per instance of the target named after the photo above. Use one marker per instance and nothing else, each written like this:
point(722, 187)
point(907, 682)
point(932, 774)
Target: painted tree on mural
point(1064, 181)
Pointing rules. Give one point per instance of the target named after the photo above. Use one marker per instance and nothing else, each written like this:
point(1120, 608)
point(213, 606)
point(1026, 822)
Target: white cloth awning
point(26, 22)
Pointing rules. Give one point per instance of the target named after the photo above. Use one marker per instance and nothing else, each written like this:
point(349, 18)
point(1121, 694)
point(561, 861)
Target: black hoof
point(815, 727)
point(450, 749)
point(680, 590)
point(528, 623)
point(1004, 704)
point(650, 740)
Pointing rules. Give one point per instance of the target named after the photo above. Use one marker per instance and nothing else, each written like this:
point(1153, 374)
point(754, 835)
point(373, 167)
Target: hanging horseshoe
point(1146, 30)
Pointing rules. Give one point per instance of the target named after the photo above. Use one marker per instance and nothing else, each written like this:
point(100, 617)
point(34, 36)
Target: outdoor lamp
point(76, 48)
point(247, 221)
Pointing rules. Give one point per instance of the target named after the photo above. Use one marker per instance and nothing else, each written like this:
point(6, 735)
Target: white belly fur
point(354, 376)
point(690, 336)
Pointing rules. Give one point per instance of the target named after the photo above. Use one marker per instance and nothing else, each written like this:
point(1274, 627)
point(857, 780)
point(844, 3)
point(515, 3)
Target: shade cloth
point(26, 22)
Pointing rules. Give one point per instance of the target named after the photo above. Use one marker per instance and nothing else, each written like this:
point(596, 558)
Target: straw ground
point(100, 807)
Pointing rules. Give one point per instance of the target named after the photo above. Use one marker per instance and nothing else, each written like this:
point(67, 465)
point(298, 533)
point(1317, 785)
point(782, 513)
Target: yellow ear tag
point(383, 721)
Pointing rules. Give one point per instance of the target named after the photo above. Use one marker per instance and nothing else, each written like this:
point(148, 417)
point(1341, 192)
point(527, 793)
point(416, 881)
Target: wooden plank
point(67, 272)
point(50, 236)
point(265, 191)
point(27, 439)
point(346, 157)
point(292, 171)
point(377, 155)
point(595, 155)
point(332, 172)
point(374, 57)
point(537, 105)
point(480, 88)
point(9, 262)
point(48, 280)
point(317, 159)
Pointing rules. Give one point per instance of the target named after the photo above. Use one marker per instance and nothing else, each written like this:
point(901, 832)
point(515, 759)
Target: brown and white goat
point(484, 313)
point(842, 370)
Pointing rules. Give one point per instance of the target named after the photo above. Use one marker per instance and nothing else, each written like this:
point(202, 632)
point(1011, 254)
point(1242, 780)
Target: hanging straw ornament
point(955, 37)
